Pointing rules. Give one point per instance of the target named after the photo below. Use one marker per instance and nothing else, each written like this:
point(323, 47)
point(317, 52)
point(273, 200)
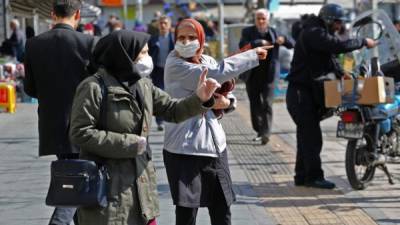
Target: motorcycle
point(373, 131)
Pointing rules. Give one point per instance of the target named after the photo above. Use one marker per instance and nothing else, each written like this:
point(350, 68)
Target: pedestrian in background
point(315, 57)
point(260, 80)
point(152, 27)
point(55, 64)
point(15, 45)
point(195, 154)
point(160, 46)
point(121, 144)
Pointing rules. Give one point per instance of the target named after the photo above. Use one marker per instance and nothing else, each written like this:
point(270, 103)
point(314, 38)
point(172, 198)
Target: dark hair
point(66, 8)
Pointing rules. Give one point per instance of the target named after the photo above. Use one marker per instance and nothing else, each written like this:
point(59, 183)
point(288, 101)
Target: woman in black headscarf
point(119, 141)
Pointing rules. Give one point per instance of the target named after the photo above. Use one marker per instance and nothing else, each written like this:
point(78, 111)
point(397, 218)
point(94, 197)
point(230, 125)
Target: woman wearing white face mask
point(118, 139)
point(195, 153)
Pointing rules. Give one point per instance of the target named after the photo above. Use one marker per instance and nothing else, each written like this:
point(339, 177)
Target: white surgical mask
point(144, 66)
point(189, 50)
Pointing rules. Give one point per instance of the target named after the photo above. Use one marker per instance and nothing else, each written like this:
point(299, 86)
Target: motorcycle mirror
point(372, 30)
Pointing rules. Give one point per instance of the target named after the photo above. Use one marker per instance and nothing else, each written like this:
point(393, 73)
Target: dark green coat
point(132, 188)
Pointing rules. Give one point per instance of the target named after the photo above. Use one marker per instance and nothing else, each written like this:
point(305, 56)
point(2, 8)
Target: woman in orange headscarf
point(195, 153)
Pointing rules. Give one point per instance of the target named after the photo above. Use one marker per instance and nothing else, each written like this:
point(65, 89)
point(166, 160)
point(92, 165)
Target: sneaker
point(160, 127)
point(323, 184)
point(258, 138)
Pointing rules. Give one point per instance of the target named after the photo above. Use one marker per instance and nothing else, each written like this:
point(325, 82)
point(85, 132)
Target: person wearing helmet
point(315, 57)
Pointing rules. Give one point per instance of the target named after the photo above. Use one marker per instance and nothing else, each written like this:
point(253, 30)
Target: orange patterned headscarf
point(201, 36)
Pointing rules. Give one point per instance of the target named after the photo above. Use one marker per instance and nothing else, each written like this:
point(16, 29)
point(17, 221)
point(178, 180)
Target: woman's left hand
point(206, 86)
point(221, 102)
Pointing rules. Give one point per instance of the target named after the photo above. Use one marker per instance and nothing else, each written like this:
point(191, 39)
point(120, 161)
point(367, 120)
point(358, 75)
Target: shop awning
point(43, 8)
point(29, 7)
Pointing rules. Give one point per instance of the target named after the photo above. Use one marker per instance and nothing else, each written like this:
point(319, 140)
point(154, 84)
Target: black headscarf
point(116, 53)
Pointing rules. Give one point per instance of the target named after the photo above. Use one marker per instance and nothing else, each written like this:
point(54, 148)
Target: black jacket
point(55, 64)
point(269, 68)
point(315, 52)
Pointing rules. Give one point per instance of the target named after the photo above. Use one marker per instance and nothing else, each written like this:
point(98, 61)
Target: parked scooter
point(373, 131)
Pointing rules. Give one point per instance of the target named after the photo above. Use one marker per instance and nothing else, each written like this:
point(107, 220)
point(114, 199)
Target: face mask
point(144, 66)
point(188, 50)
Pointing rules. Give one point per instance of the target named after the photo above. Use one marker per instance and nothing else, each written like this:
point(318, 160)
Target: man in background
point(55, 63)
point(160, 46)
point(260, 80)
point(14, 46)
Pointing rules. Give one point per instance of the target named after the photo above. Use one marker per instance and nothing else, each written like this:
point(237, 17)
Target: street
point(262, 176)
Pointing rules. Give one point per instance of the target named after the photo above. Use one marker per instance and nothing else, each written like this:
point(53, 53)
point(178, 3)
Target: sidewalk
point(262, 176)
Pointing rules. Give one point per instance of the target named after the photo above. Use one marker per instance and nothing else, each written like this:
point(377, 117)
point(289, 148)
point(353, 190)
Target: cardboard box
point(332, 91)
point(369, 91)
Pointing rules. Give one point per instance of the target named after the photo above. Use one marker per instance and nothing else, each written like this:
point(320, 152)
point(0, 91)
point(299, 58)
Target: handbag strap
point(102, 122)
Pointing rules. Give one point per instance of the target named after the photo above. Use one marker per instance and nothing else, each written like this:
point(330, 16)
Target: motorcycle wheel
point(359, 168)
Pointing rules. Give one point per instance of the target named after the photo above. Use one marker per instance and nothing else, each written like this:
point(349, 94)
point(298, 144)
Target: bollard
point(8, 97)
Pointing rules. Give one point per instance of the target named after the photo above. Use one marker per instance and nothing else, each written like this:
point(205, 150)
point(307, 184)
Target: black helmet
point(331, 12)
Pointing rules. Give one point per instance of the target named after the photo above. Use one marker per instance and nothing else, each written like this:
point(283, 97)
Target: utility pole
point(221, 28)
point(125, 8)
point(139, 10)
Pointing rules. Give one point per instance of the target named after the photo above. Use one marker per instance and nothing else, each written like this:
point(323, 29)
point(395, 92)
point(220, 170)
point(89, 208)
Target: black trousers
point(304, 112)
point(219, 211)
point(261, 97)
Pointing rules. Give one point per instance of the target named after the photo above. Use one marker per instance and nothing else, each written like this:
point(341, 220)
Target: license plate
point(350, 130)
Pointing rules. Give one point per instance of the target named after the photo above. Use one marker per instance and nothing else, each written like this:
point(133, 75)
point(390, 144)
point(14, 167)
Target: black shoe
point(160, 127)
point(299, 183)
point(264, 140)
point(323, 184)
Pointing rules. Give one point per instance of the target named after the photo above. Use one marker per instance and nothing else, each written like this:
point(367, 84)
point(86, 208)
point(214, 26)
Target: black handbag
point(78, 182)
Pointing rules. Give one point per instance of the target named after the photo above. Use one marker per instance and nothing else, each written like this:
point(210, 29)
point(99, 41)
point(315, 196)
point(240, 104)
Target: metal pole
point(374, 4)
point(140, 10)
point(36, 22)
point(125, 11)
point(355, 7)
point(221, 28)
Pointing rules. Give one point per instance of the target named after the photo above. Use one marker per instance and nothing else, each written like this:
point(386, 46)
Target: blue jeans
point(64, 216)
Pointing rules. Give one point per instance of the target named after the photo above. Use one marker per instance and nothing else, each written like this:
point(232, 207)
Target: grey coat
point(201, 135)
